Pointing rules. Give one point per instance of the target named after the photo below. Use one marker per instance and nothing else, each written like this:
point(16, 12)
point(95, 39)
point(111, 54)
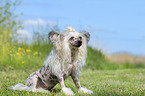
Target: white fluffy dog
point(66, 59)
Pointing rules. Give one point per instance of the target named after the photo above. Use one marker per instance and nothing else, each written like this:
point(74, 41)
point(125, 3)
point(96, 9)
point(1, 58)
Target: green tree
point(8, 20)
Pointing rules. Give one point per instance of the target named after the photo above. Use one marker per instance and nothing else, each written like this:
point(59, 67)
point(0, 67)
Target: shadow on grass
point(56, 90)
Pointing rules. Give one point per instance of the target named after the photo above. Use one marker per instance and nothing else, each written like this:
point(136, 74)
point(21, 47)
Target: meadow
point(125, 82)
point(101, 74)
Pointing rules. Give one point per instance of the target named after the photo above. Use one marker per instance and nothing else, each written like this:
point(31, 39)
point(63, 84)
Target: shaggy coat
point(66, 59)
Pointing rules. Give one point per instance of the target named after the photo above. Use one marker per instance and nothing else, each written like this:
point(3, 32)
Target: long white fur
point(85, 90)
point(59, 62)
point(22, 87)
point(67, 91)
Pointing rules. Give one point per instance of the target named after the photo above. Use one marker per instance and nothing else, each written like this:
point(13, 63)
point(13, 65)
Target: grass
point(105, 78)
point(103, 83)
point(29, 56)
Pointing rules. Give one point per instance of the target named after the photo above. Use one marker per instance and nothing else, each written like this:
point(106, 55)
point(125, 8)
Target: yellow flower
point(28, 50)
point(19, 48)
point(35, 53)
point(22, 62)
point(10, 51)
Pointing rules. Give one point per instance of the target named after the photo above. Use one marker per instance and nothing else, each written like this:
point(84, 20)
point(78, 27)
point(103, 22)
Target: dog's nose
point(79, 42)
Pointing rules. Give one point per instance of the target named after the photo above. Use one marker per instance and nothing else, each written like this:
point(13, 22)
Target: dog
point(66, 59)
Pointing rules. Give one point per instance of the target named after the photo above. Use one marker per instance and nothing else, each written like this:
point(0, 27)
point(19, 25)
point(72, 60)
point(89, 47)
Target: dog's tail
point(20, 87)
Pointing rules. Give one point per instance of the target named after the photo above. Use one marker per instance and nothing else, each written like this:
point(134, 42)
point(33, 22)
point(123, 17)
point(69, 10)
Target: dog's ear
point(54, 36)
point(86, 35)
point(56, 39)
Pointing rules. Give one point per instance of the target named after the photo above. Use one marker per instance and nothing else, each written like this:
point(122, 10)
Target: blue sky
point(115, 25)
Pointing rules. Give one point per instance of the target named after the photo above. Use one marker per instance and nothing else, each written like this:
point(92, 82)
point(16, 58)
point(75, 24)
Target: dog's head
point(70, 42)
point(73, 38)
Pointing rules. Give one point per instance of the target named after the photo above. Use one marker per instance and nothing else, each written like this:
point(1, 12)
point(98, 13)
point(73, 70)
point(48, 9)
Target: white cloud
point(38, 21)
point(24, 35)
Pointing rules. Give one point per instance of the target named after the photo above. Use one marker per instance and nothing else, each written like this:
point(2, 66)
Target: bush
point(96, 60)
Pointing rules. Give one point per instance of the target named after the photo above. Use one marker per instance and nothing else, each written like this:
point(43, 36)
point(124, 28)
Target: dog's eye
point(80, 38)
point(71, 38)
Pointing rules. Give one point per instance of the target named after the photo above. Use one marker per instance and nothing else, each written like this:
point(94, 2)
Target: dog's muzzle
point(78, 43)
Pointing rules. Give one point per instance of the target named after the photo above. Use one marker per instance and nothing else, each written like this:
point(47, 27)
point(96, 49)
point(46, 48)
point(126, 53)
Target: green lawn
point(104, 83)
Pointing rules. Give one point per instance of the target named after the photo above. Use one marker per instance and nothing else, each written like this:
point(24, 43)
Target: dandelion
point(19, 48)
point(35, 53)
point(10, 51)
point(22, 62)
point(28, 50)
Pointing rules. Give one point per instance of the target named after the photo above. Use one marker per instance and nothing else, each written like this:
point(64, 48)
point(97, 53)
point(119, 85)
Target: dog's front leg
point(65, 90)
point(78, 85)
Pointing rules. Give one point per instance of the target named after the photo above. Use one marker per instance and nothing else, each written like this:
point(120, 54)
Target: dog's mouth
point(77, 43)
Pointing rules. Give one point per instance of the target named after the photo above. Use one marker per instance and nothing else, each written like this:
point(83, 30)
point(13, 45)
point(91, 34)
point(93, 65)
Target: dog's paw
point(67, 91)
point(85, 90)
